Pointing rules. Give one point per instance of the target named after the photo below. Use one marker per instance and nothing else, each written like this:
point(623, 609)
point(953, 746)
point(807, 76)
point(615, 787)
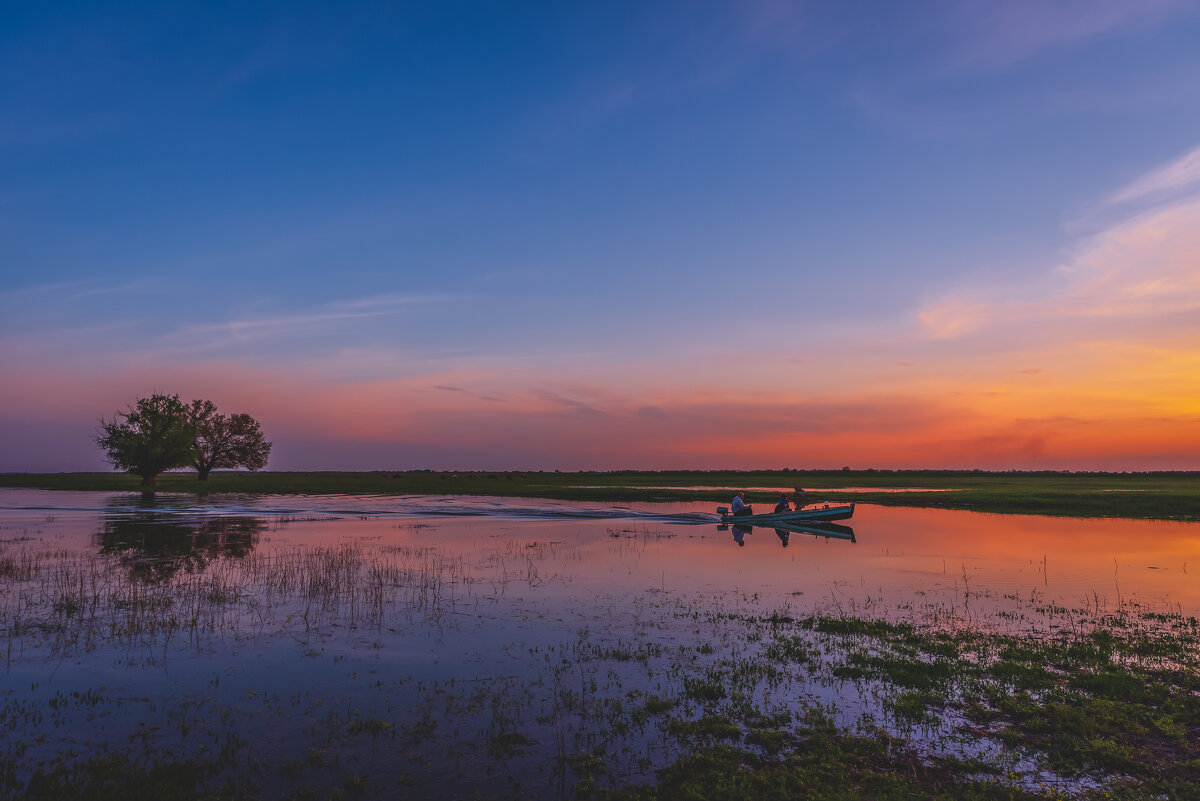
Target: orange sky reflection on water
point(902, 559)
point(901, 556)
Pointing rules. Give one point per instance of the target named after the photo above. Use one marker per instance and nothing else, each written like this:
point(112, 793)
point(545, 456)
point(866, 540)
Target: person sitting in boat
point(739, 508)
point(801, 498)
point(782, 506)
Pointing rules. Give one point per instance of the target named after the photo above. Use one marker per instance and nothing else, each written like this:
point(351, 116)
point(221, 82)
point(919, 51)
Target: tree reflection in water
point(155, 545)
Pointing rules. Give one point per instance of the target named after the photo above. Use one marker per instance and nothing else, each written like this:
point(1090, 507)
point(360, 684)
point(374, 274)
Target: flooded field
point(319, 646)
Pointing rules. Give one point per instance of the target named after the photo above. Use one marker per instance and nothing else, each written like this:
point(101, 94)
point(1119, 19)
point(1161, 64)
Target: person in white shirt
point(739, 508)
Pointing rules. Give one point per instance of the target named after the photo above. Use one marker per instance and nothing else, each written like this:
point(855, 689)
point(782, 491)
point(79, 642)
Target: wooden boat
point(825, 513)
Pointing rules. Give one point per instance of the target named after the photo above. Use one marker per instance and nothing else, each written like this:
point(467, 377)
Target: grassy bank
point(1160, 496)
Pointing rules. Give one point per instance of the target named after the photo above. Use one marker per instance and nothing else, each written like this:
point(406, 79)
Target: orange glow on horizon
point(1047, 419)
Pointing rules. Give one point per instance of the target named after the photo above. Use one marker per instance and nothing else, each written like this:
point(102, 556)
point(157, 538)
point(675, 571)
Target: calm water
point(429, 643)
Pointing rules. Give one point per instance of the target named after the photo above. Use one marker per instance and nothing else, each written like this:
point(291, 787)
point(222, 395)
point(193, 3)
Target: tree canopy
point(162, 433)
point(153, 435)
point(226, 441)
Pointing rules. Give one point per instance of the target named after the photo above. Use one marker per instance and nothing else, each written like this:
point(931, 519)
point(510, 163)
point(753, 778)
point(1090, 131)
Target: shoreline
point(1171, 496)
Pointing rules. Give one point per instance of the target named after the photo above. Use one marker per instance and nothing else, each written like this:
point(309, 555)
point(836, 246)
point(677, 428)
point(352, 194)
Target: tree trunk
point(203, 474)
point(148, 481)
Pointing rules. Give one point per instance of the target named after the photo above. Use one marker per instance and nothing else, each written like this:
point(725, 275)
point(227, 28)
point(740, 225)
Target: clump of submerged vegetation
point(692, 697)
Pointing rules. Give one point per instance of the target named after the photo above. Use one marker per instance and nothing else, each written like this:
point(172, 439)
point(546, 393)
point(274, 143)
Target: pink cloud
point(1137, 279)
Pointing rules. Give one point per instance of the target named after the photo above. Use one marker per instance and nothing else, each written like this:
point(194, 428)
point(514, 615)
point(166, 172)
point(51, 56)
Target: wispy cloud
point(53, 311)
point(1142, 269)
point(953, 316)
point(394, 300)
point(68, 291)
point(991, 35)
point(1181, 174)
point(555, 399)
point(214, 334)
point(45, 317)
point(469, 393)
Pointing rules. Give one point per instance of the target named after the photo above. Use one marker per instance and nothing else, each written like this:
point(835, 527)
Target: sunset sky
point(611, 235)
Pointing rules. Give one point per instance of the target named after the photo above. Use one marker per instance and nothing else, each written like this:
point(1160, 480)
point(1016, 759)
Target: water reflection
point(155, 545)
point(784, 531)
point(355, 632)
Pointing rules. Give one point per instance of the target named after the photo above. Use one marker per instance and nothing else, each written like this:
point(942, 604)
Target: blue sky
point(545, 191)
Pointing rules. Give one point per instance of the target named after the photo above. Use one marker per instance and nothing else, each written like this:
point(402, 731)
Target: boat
point(819, 513)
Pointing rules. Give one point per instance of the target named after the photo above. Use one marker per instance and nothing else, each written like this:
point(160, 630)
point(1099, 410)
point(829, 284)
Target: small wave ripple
point(333, 506)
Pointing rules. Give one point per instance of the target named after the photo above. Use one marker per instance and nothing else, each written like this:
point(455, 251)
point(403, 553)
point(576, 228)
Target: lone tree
point(225, 441)
point(153, 435)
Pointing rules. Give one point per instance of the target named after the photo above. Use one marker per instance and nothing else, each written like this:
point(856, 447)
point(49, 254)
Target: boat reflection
point(155, 545)
point(784, 531)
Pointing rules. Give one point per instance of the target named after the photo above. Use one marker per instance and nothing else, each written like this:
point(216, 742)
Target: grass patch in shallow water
point(820, 768)
point(710, 726)
point(1111, 711)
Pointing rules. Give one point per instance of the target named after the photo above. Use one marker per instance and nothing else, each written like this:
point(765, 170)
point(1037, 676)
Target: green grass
point(823, 767)
point(1092, 705)
point(1164, 496)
